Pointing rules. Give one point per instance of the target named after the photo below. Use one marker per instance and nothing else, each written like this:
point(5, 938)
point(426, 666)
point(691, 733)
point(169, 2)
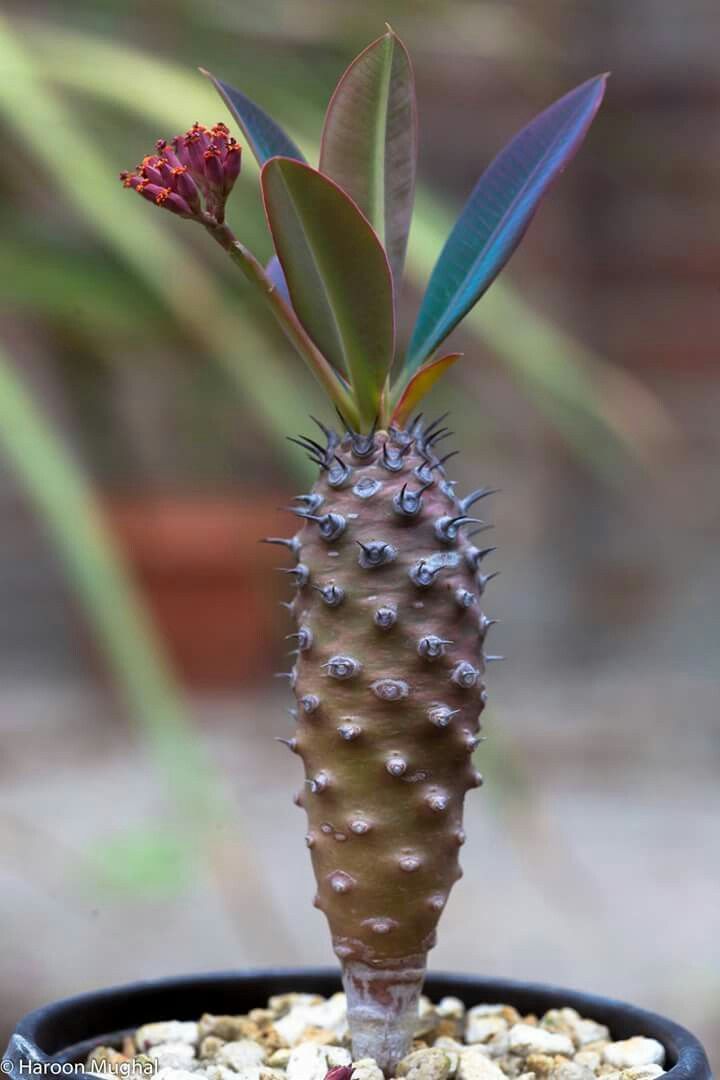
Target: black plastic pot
point(62, 1033)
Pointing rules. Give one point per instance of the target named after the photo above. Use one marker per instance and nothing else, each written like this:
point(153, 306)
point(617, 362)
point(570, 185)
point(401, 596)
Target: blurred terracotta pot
point(207, 581)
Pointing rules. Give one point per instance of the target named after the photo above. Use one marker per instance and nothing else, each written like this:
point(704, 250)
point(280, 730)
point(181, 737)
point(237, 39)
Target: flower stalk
point(287, 319)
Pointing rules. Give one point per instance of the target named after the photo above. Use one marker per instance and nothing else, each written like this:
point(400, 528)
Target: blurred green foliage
point(66, 505)
point(198, 824)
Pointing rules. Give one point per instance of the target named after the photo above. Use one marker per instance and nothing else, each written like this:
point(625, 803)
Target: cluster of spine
point(202, 162)
point(390, 684)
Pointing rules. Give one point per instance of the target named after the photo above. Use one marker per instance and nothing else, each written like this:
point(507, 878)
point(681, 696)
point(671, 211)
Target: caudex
point(389, 569)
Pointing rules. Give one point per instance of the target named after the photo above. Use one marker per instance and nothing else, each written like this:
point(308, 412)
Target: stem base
point(382, 1005)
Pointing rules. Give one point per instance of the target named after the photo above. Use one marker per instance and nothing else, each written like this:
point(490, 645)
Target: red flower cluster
point(203, 161)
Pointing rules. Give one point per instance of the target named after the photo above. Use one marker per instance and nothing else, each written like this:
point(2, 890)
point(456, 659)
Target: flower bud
point(148, 168)
point(166, 171)
point(220, 135)
point(161, 196)
point(174, 203)
point(183, 183)
point(231, 164)
point(192, 175)
point(214, 173)
point(196, 142)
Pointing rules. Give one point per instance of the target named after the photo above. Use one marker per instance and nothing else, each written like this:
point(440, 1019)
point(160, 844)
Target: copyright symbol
point(6, 1066)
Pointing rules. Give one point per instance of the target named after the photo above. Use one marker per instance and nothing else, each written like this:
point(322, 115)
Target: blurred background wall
point(145, 812)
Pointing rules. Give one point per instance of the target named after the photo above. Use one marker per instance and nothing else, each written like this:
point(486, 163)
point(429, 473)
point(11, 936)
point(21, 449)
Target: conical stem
point(382, 1005)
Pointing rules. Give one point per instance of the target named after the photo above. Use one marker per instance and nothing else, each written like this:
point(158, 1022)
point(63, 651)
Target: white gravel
point(303, 1036)
point(635, 1051)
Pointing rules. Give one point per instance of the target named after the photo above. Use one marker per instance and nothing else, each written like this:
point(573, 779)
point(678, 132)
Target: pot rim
point(33, 1034)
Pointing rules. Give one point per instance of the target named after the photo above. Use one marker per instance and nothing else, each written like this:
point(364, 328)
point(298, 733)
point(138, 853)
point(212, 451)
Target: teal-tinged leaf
point(497, 214)
point(265, 138)
point(337, 275)
point(369, 141)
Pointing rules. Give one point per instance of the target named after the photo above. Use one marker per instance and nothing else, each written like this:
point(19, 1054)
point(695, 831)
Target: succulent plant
point(389, 571)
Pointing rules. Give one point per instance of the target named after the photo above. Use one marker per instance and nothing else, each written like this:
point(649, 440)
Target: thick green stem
point(286, 317)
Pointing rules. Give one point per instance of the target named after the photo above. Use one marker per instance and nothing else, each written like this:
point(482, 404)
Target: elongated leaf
point(265, 138)
point(420, 384)
point(337, 274)
point(497, 214)
point(369, 141)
